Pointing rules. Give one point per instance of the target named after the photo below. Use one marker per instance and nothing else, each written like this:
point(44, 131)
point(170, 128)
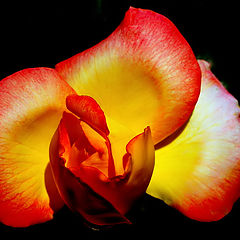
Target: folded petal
point(144, 68)
point(31, 105)
point(88, 110)
point(197, 170)
point(123, 190)
point(82, 166)
point(78, 195)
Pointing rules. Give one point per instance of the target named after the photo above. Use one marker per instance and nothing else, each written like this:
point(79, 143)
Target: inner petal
point(101, 159)
point(108, 151)
point(119, 137)
point(109, 145)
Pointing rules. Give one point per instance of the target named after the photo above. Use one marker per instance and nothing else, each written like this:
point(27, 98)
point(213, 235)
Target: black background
point(40, 34)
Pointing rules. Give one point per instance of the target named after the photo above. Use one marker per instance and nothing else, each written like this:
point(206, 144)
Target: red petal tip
point(88, 110)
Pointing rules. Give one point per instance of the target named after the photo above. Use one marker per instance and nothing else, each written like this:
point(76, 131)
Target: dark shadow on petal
point(56, 201)
point(172, 137)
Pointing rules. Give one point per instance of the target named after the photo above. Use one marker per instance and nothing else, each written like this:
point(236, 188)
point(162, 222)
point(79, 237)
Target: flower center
point(92, 144)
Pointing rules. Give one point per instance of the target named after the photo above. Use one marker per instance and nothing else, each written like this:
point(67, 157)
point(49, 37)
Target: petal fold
point(31, 105)
point(197, 170)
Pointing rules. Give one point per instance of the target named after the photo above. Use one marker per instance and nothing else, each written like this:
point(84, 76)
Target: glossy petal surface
point(144, 68)
point(31, 105)
point(197, 170)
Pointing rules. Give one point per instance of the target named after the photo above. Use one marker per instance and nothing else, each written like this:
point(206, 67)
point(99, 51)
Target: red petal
point(80, 144)
point(87, 109)
point(122, 191)
point(76, 194)
point(83, 178)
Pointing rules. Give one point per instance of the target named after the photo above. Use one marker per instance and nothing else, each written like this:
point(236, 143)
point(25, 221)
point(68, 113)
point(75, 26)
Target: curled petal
point(31, 104)
point(76, 194)
point(144, 66)
point(84, 171)
point(123, 190)
point(197, 170)
point(88, 110)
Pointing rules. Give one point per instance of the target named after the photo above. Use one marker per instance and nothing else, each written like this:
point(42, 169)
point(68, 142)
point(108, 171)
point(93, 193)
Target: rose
point(137, 89)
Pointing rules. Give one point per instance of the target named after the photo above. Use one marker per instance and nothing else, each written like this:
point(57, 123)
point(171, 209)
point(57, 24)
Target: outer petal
point(144, 68)
point(197, 170)
point(31, 104)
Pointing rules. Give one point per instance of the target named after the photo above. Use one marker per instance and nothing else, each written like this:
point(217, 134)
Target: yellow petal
point(197, 170)
point(143, 74)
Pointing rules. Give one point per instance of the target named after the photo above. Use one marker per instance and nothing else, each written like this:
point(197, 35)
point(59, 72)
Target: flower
point(101, 114)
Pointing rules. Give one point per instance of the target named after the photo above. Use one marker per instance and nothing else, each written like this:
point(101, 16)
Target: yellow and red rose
point(136, 113)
